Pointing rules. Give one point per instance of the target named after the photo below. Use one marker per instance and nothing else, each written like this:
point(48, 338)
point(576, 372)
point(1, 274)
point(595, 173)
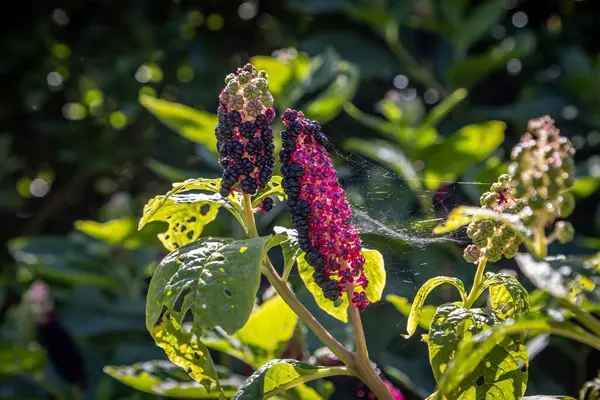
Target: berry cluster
point(494, 239)
point(244, 132)
point(320, 212)
point(543, 168)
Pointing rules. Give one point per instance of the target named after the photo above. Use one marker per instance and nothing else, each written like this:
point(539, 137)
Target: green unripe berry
point(232, 87)
point(564, 231)
point(236, 101)
point(518, 240)
point(499, 241)
point(568, 180)
point(471, 253)
point(251, 92)
point(262, 84)
point(229, 78)
point(244, 77)
point(497, 187)
point(479, 239)
point(504, 178)
point(471, 229)
point(511, 250)
point(553, 171)
point(493, 254)
point(488, 199)
point(537, 180)
point(565, 204)
point(553, 189)
point(267, 99)
point(263, 74)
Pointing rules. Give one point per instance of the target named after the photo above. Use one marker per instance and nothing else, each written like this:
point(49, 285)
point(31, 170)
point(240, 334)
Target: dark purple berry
point(293, 171)
point(290, 115)
point(236, 149)
point(244, 166)
point(270, 114)
point(294, 128)
point(225, 162)
point(233, 118)
point(222, 113)
point(289, 145)
point(321, 138)
point(254, 146)
point(247, 129)
point(249, 185)
point(267, 134)
point(303, 208)
point(265, 176)
point(284, 156)
point(331, 290)
point(262, 122)
point(267, 204)
point(291, 186)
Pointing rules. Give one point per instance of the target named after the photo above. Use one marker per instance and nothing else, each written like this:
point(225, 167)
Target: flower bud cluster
point(543, 170)
point(320, 212)
point(244, 132)
point(493, 239)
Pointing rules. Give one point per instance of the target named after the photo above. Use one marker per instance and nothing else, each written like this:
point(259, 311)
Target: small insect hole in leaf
point(190, 235)
point(480, 381)
point(196, 356)
point(189, 370)
point(228, 293)
point(219, 258)
point(183, 228)
point(205, 209)
point(191, 220)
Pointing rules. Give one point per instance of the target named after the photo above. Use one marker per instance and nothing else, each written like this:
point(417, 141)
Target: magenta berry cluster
point(320, 212)
point(244, 132)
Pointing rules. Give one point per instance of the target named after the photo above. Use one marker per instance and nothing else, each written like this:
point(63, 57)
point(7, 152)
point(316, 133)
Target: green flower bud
point(263, 74)
point(564, 231)
point(488, 199)
point(251, 92)
point(487, 228)
point(229, 78)
point(254, 108)
point(236, 101)
point(511, 250)
point(565, 204)
point(262, 84)
point(471, 253)
point(232, 87)
point(497, 187)
point(244, 77)
point(267, 99)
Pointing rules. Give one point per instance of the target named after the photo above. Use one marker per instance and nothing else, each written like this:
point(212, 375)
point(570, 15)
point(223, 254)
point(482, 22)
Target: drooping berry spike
point(244, 133)
point(320, 212)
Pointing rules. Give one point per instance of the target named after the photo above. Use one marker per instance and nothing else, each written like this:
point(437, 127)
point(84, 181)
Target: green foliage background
point(78, 146)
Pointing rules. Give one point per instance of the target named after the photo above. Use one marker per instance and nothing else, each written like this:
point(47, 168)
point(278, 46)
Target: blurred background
point(394, 83)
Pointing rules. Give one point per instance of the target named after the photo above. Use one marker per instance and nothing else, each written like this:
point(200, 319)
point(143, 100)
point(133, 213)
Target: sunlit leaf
point(375, 273)
point(279, 72)
point(121, 231)
point(269, 328)
point(290, 248)
point(439, 112)
point(404, 306)
point(329, 103)
point(419, 301)
point(197, 126)
point(17, 360)
point(500, 373)
point(447, 160)
point(187, 208)
point(273, 188)
point(277, 376)
point(163, 378)
point(507, 296)
point(585, 186)
point(479, 22)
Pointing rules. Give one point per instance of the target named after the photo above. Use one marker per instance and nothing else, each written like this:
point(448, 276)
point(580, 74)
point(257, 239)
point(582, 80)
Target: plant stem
point(541, 248)
point(331, 371)
point(249, 216)
point(363, 363)
point(477, 283)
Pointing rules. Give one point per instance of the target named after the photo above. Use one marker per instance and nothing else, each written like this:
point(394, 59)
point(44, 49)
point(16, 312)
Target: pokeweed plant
point(479, 352)
point(202, 295)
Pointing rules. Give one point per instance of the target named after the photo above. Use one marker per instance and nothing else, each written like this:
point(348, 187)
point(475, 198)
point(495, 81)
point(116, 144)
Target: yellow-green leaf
point(197, 126)
point(404, 306)
point(375, 272)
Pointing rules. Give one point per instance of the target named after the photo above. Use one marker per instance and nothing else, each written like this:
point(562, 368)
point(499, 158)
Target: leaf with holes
point(500, 373)
point(404, 306)
point(268, 329)
point(464, 215)
point(507, 296)
point(187, 208)
point(215, 279)
point(277, 376)
point(417, 307)
point(197, 126)
point(163, 378)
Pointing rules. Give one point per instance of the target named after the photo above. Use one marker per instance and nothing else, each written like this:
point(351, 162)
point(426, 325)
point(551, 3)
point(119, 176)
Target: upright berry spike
point(320, 212)
point(244, 132)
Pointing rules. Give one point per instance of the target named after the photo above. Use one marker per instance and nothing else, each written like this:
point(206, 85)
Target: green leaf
point(215, 279)
point(548, 398)
point(121, 231)
point(220, 341)
point(476, 348)
point(188, 211)
point(273, 188)
point(463, 215)
point(279, 72)
point(404, 306)
point(337, 309)
point(269, 328)
point(467, 72)
point(500, 373)
point(375, 273)
point(184, 349)
point(439, 112)
point(507, 296)
point(479, 22)
point(197, 126)
point(329, 103)
point(72, 260)
point(278, 376)
point(585, 186)
point(590, 390)
point(167, 172)
point(163, 378)
point(417, 306)
point(291, 249)
point(17, 360)
point(446, 161)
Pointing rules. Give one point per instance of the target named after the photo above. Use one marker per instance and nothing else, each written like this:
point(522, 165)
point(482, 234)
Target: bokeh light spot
point(74, 111)
point(39, 187)
point(215, 22)
point(117, 119)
